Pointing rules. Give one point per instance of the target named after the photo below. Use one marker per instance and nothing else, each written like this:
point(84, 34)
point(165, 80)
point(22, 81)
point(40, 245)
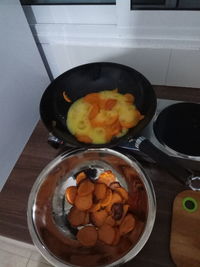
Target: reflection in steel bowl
point(47, 209)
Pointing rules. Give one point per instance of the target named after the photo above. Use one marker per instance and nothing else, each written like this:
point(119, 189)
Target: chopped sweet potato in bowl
point(100, 209)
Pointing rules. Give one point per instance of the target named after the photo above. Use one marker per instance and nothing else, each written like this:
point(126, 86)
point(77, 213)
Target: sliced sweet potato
point(65, 96)
point(76, 217)
point(95, 207)
point(87, 236)
point(83, 202)
point(135, 118)
point(114, 185)
point(98, 217)
point(123, 193)
point(127, 225)
point(85, 188)
point(83, 138)
point(106, 201)
point(92, 98)
point(110, 103)
point(110, 221)
point(117, 211)
point(100, 191)
point(117, 237)
point(94, 111)
point(113, 130)
point(107, 177)
point(125, 211)
point(106, 234)
point(135, 234)
point(111, 118)
point(104, 118)
point(129, 98)
point(70, 194)
point(80, 177)
point(87, 218)
point(102, 103)
point(116, 198)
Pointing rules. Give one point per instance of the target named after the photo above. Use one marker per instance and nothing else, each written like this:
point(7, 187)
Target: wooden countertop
point(37, 154)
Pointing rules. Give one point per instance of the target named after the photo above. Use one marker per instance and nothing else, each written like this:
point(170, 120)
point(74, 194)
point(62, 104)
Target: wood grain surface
point(37, 153)
point(185, 231)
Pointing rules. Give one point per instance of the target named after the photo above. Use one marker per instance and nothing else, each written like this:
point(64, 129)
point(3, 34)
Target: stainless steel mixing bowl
point(47, 209)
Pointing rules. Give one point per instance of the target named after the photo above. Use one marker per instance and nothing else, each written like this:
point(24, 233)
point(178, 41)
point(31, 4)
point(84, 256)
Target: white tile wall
point(153, 63)
point(172, 67)
point(184, 68)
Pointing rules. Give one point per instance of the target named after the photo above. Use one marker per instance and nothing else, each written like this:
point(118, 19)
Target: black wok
point(95, 77)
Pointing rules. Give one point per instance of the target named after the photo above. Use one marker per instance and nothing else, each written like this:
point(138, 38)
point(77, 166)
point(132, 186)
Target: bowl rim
point(50, 257)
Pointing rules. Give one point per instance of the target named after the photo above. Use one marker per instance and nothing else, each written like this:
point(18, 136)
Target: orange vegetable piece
point(110, 103)
point(83, 138)
point(98, 217)
point(134, 122)
point(125, 210)
point(87, 218)
point(102, 103)
point(114, 185)
point(127, 225)
point(100, 191)
point(92, 98)
point(113, 130)
point(123, 193)
point(95, 207)
point(83, 202)
point(110, 221)
point(106, 234)
point(104, 118)
point(117, 211)
point(87, 236)
point(93, 112)
point(70, 194)
point(80, 177)
point(105, 202)
point(107, 177)
point(135, 234)
point(76, 217)
point(116, 198)
point(67, 99)
point(85, 188)
point(117, 237)
point(111, 120)
point(129, 98)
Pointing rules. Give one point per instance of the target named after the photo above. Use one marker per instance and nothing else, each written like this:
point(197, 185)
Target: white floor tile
point(16, 247)
point(11, 260)
point(36, 256)
point(32, 263)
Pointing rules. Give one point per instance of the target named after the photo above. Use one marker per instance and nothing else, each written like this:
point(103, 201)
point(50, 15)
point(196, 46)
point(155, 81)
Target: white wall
point(162, 66)
point(163, 45)
point(23, 79)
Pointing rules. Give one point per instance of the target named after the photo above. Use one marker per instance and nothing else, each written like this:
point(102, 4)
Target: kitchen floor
point(18, 254)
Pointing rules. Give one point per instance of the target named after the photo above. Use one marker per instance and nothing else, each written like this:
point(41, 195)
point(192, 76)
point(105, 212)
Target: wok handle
point(171, 165)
